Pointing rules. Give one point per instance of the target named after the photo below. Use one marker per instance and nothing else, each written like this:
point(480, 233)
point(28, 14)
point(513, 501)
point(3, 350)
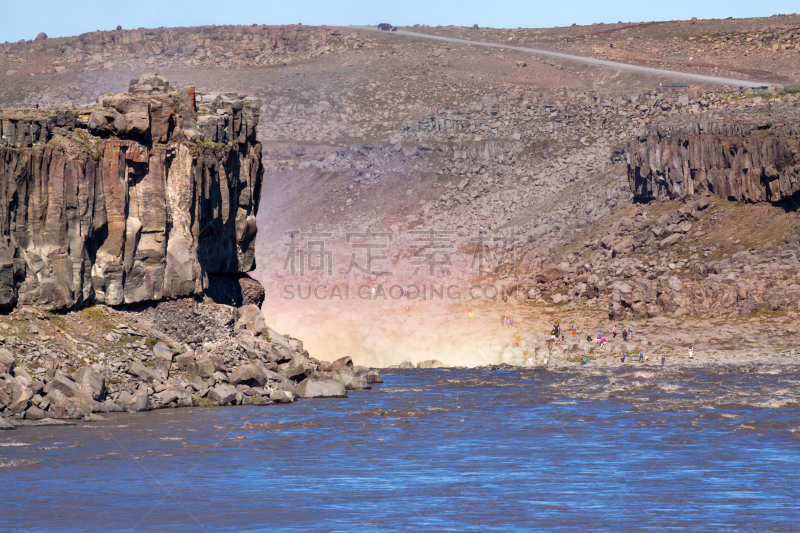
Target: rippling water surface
point(435, 450)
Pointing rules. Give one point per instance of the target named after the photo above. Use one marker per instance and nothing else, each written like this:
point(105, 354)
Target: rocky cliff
point(750, 161)
point(136, 198)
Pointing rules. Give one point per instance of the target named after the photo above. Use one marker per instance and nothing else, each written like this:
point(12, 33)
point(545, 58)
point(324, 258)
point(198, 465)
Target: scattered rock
point(162, 350)
point(280, 396)
point(249, 374)
point(137, 401)
point(321, 388)
point(92, 381)
point(431, 363)
point(6, 361)
point(222, 394)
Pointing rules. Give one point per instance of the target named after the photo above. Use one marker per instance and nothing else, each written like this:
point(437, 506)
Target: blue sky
point(22, 20)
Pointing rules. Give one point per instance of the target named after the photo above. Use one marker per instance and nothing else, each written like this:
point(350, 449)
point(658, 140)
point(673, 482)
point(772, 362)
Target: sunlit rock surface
point(135, 198)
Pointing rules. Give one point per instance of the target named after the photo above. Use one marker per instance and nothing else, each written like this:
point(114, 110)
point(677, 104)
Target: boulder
point(431, 363)
point(67, 399)
point(137, 401)
point(63, 384)
point(321, 388)
point(5, 424)
point(162, 350)
point(669, 241)
point(249, 374)
point(41, 36)
point(162, 369)
point(184, 360)
point(22, 377)
point(297, 369)
point(20, 398)
point(288, 386)
point(6, 361)
point(281, 396)
point(166, 396)
point(277, 338)
point(251, 318)
point(373, 375)
point(281, 354)
point(142, 372)
point(342, 362)
point(549, 275)
point(34, 413)
point(203, 367)
point(222, 394)
point(349, 379)
point(93, 382)
point(235, 290)
point(109, 406)
point(623, 246)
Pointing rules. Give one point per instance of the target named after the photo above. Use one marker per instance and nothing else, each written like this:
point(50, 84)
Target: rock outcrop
point(136, 198)
point(175, 353)
point(741, 161)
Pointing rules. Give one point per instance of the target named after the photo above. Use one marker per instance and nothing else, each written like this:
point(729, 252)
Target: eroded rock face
point(750, 162)
point(127, 200)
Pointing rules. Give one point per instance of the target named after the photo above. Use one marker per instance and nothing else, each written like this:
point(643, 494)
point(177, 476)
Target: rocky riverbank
point(177, 353)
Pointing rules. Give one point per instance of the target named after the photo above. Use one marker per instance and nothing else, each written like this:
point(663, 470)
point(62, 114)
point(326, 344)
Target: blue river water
point(433, 450)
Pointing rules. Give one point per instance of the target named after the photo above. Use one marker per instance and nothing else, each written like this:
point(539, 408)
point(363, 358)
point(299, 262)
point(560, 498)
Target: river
point(434, 450)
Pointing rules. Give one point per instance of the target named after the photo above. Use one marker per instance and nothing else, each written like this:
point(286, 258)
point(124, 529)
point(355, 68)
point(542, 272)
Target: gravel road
point(673, 75)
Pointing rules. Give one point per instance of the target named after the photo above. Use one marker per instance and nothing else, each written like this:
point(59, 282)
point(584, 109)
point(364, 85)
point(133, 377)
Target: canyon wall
point(741, 161)
point(136, 198)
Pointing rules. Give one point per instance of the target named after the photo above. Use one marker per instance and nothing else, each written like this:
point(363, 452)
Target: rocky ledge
point(179, 353)
point(743, 160)
point(138, 197)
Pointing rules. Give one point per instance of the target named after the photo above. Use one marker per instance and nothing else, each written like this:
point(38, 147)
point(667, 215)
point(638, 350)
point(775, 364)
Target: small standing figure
point(641, 356)
point(691, 352)
point(574, 331)
point(630, 332)
point(663, 359)
point(615, 331)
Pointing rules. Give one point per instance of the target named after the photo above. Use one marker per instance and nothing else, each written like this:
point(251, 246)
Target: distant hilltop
point(219, 46)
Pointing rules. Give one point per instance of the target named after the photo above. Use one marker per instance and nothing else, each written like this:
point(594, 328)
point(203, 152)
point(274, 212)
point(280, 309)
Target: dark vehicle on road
point(386, 27)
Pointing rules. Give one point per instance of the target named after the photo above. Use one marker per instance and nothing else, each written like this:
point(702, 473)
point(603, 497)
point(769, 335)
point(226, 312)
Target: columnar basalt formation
point(136, 198)
point(741, 161)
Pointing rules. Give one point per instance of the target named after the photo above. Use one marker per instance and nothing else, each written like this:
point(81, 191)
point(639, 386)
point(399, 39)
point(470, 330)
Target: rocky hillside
point(765, 48)
point(588, 192)
point(177, 353)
